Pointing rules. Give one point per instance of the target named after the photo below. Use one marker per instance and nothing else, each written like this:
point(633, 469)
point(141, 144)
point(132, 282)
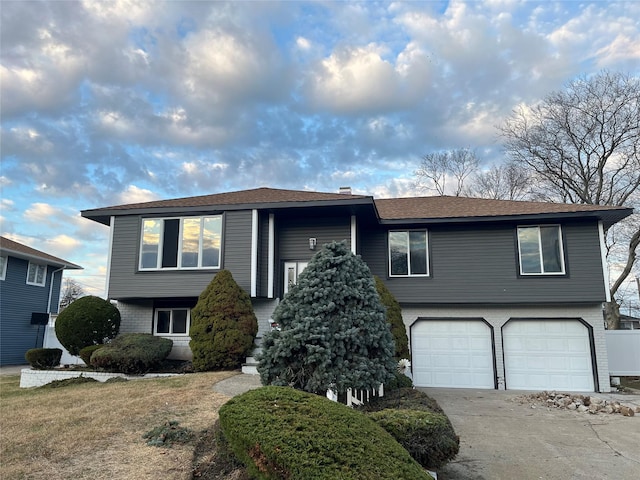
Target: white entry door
point(547, 355)
point(291, 272)
point(452, 353)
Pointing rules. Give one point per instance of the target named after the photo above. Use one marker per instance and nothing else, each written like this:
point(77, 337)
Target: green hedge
point(404, 398)
point(86, 352)
point(399, 380)
point(279, 432)
point(427, 436)
point(43, 358)
point(132, 353)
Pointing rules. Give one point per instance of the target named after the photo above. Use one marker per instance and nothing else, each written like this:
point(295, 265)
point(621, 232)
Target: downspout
point(53, 274)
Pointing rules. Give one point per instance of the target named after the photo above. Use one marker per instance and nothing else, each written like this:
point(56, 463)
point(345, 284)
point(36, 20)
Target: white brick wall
point(136, 317)
point(498, 316)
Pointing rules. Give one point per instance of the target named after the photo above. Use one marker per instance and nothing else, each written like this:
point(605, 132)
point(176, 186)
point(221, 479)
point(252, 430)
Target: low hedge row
point(132, 353)
point(43, 358)
point(86, 352)
point(282, 433)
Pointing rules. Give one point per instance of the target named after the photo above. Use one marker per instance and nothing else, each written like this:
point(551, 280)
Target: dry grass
point(94, 430)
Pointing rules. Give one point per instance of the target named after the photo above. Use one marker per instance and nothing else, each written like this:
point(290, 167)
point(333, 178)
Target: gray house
point(495, 294)
point(30, 283)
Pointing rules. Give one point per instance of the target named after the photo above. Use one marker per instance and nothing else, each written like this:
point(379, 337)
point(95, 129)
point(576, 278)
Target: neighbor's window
point(36, 275)
point(540, 249)
point(3, 267)
point(172, 321)
point(408, 253)
point(190, 242)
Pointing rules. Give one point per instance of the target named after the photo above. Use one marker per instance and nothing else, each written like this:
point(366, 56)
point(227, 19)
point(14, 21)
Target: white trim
point(272, 256)
point(254, 252)
point(112, 226)
point(53, 275)
point(170, 333)
point(605, 265)
point(353, 234)
point(3, 270)
point(408, 245)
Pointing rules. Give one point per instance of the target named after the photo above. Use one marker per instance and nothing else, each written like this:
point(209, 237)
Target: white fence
point(357, 397)
point(623, 348)
point(51, 341)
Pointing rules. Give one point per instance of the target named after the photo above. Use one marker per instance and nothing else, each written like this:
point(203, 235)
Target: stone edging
point(36, 378)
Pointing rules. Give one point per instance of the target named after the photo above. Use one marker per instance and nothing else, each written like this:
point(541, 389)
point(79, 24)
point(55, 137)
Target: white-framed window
point(3, 266)
point(408, 253)
point(37, 274)
point(172, 321)
point(540, 250)
point(181, 243)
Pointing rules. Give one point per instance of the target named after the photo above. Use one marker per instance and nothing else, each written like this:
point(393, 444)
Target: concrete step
point(250, 369)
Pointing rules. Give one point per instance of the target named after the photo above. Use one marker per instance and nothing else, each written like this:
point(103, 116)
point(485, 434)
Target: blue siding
point(18, 301)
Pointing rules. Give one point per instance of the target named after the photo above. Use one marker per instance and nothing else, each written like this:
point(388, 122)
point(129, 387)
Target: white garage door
point(452, 353)
point(547, 355)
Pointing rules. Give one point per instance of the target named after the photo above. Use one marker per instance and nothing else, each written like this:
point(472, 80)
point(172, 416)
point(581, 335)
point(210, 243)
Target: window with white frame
point(408, 253)
point(3, 266)
point(540, 250)
point(37, 274)
point(172, 321)
point(181, 243)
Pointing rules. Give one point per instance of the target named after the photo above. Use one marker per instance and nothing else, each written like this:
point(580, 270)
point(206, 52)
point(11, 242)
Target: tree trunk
point(612, 315)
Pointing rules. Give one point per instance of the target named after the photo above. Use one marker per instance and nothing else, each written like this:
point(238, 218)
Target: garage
point(547, 355)
point(452, 354)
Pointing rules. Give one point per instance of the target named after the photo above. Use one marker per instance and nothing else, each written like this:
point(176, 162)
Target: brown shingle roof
point(255, 196)
point(11, 246)
point(463, 207)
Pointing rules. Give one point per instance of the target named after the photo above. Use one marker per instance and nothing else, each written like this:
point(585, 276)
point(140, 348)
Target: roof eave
point(25, 256)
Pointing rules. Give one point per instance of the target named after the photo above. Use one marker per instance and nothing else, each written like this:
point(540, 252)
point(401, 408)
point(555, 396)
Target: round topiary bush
point(132, 353)
point(43, 358)
point(87, 321)
point(223, 325)
point(279, 432)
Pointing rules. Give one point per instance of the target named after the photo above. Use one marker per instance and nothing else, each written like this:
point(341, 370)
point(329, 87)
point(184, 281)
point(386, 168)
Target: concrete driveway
point(501, 438)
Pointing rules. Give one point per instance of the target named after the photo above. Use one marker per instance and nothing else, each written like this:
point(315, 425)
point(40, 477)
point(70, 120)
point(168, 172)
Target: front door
point(291, 272)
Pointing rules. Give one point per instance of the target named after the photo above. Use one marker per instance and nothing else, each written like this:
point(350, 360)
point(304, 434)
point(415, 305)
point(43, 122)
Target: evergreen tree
point(334, 333)
point(223, 325)
point(394, 318)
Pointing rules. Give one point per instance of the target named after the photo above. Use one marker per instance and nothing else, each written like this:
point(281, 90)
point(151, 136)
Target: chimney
point(345, 190)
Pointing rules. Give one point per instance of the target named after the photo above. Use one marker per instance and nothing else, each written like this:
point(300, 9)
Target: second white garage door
point(452, 353)
point(547, 355)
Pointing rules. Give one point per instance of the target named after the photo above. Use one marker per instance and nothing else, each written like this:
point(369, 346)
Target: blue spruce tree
point(333, 329)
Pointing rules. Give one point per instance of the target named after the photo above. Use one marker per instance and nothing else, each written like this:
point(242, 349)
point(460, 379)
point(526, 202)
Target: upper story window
point(3, 266)
point(36, 275)
point(540, 249)
point(408, 253)
point(172, 321)
point(188, 242)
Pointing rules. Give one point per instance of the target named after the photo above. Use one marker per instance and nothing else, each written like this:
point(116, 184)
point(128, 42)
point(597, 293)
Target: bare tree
point(71, 291)
point(582, 144)
point(508, 181)
point(437, 168)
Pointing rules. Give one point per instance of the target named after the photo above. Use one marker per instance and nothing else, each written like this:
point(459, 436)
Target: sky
point(112, 102)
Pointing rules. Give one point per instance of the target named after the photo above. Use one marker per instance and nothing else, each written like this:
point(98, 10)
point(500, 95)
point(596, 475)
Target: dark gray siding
point(263, 255)
point(294, 234)
point(480, 265)
point(127, 282)
point(18, 301)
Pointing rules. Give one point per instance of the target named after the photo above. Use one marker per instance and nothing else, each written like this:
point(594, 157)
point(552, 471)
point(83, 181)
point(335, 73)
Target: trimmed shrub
point(427, 436)
point(399, 380)
point(279, 432)
point(394, 319)
point(87, 321)
point(86, 352)
point(223, 325)
point(132, 353)
point(403, 398)
point(43, 358)
point(334, 334)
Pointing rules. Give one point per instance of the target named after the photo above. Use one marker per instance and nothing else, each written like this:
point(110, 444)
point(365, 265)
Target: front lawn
point(95, 430)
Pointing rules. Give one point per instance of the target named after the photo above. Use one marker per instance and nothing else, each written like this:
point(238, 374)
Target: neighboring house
point(30, 283)
point(628, 322)
point(495, 294)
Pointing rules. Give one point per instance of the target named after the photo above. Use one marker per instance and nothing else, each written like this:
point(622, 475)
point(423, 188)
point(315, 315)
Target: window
point(172, 321)
point(191, 242)
point(36, 275)
point(3, 267)
point(408, 253)
point(540, 249)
